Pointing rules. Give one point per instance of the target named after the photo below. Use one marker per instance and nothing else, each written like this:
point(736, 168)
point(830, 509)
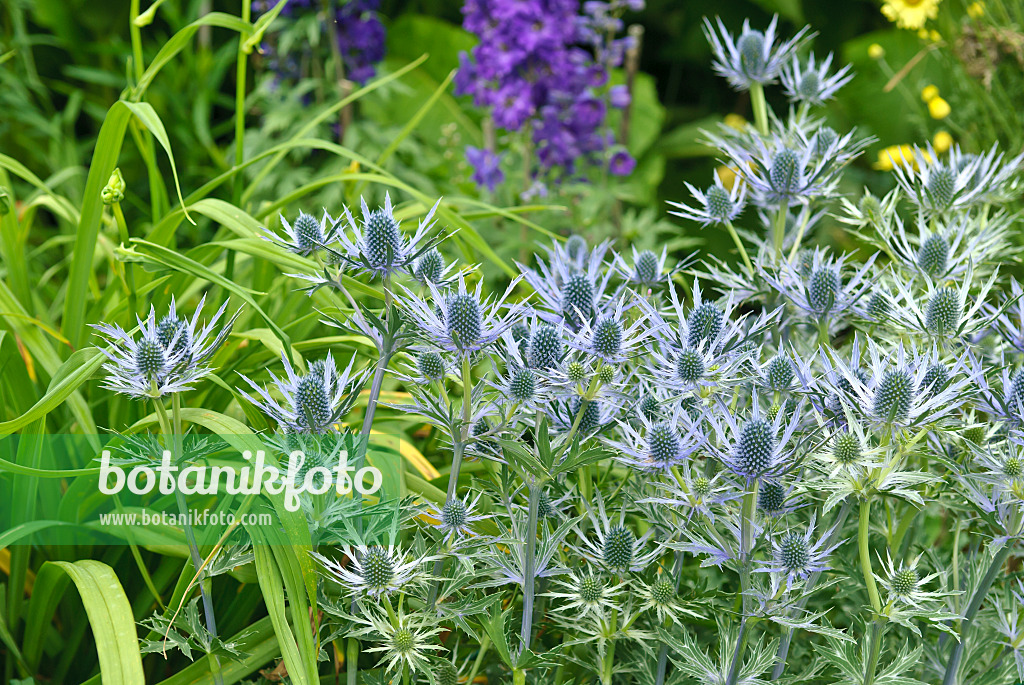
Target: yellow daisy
point(910, 14)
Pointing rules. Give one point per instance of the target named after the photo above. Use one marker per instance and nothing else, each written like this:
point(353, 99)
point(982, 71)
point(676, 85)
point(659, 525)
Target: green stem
point(865, 555)
point(351, 661)
point(190, 535)
point(737, 655)
point(240, 76)
point(779, 230)
point(458, 450)
point(972, 609)
point(609, 655)
point(129, 268)
point(529, 572)
point(739, 245)
point(760, 107)
point(874, 651)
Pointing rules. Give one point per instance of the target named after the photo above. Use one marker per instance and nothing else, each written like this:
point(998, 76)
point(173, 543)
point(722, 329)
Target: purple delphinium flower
point(486, 167)
point(537, 67)
point(621, 163)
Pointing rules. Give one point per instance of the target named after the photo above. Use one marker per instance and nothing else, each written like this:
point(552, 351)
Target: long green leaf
point(110, 615)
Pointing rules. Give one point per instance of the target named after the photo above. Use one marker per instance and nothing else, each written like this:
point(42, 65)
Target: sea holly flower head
point(305, 235)
point(459, 320)
point(753, 57)
point(810, 81)
point(892, 391)
point(571, 284)
point(657, 444)
point(614, 546)
point(648, 269)
point(823, 288)
point(756, 446)
point(168, 356)
point(372, 570)
point(797, 555)
point(716, 205)
point(584, 594)
point(377, 246)
point(313, 402)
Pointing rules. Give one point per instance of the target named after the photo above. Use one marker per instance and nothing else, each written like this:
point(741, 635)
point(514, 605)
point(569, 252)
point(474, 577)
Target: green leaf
point(110, 615)
point(79, 368)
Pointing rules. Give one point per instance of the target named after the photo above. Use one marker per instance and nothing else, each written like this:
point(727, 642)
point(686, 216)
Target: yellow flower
point(942, 141)
point(929, 93)
point(938, 108)
point(976, 10)
point(876, 51)
point(910, 14)
point(898, 155)
point(735, 121)
point(727, 175)
point(934, 36)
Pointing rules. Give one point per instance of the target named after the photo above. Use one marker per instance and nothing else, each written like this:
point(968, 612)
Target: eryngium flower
point(460, 320)
point(659, 443)
point(716, 205)
point(648, 268)
point(797, 556)
point(314, 402)
point(378, 247)
point(811, 83)
point(887, 392)
point(169, 355)
point(818, 287)
point(615, 547)
point(306, 235)
point(757, 447)
point(403, 640)
point(939, 187)
point(754, 57)
point(571, 285)
point(372, 570)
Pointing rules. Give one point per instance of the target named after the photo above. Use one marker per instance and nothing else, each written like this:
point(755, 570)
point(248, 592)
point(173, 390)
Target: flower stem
point(812, 581)
point(863, 530)
point(746, 546)
point(677, 571)
point(779, 229)
point(530, 571)
point(865, 554)
point(458, 449)
point(972, 609)
point(737, 655)
point(174, 433)
point(760, 107)
point(129, 268)
point(739, 245)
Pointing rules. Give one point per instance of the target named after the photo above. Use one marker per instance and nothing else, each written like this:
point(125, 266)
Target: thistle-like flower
point(378, 247)
point(658, 444)
point(313, 402)
point(306, 235)
point(716, 205)
point(460, 321)
point(373, 570)
point(612, 337)
point(571, 285)
point(889, 391)
point(939, 187)
point(810, 82)
point(614, 546)
point(455, 517)
point(648, 269)
point(757, 447)
point(403, 640)
point(821, 287)
point(754, 57)
point(585, 594)
point(170, 355)
point(797, 555)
